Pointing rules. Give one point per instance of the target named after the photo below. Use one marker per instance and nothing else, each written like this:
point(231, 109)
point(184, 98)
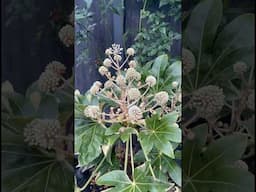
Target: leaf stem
point(126, 156)
point(93, 174)
point(132, 161)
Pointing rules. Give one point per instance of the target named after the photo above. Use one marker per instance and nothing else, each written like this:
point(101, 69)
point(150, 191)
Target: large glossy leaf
point(89, 139)
point(160, 65)
point(160, 132)
point(28, 169)
point(121, 182)
point(234, 43)
point(209, 170)
point(238, 34)
point(202, 25)
point(174, 71)
point(166, 72)
point(162, 164)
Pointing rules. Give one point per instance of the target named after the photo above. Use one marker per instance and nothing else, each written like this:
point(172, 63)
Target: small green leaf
point(160, 132)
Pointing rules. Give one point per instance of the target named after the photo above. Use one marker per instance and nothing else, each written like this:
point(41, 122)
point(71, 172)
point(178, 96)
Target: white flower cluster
point(92, 111)
point(95, 87)
point(42, 133)
point(208, 101)
point(125, 88)
point(50, 79)
point(66, 35)
point(188, 61)
point(55, 67)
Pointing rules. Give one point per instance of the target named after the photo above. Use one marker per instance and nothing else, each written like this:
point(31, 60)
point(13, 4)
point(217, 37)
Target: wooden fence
point(111, 31)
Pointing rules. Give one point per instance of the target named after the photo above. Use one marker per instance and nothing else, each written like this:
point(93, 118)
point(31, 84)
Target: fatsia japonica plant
point(126, 129)
point(218, 100)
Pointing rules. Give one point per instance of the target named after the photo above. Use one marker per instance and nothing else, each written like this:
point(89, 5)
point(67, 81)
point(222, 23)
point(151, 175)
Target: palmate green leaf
point(232, 45)
point(160, 132)
point(121, 182)
point(89, 139)
point(211, 169)
point(28, 169)
point(163, 164)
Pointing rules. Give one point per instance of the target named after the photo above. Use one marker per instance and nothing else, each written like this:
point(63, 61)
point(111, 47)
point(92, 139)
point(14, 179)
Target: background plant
point(130, 147)
point(84, 26)
point(36, 140)
point(218, 68)
point(155, 34)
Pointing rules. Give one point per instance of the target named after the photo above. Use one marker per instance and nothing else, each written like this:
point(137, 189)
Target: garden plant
point(127, 127)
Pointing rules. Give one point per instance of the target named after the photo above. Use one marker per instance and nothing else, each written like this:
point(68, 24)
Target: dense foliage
point(127, 128)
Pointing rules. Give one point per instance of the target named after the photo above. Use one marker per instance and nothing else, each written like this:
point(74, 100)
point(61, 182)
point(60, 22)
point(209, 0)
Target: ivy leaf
point(121, 182)
point(89, 139)
point(160, 132)
point(211, 169)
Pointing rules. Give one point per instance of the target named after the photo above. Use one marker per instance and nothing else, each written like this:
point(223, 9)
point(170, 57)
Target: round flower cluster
point(188, 61)
point(48, 82)
point(133, 93)
point(151, 80)
point(50, 79)
point(162, 98)
point(92, 111)
point(95, 87)
point(208, 101)
point(134, 113)
point(42, 133)
point(125, 88)
point(66, 35)
point(239, 67)
point(251, 101)
point(56, 67)
point(132, 74)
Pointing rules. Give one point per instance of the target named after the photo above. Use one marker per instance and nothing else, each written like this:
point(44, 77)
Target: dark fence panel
point(86, 73)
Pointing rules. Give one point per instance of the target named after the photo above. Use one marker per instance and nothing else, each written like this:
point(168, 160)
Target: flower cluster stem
point(126, 156)
point(132, 160)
